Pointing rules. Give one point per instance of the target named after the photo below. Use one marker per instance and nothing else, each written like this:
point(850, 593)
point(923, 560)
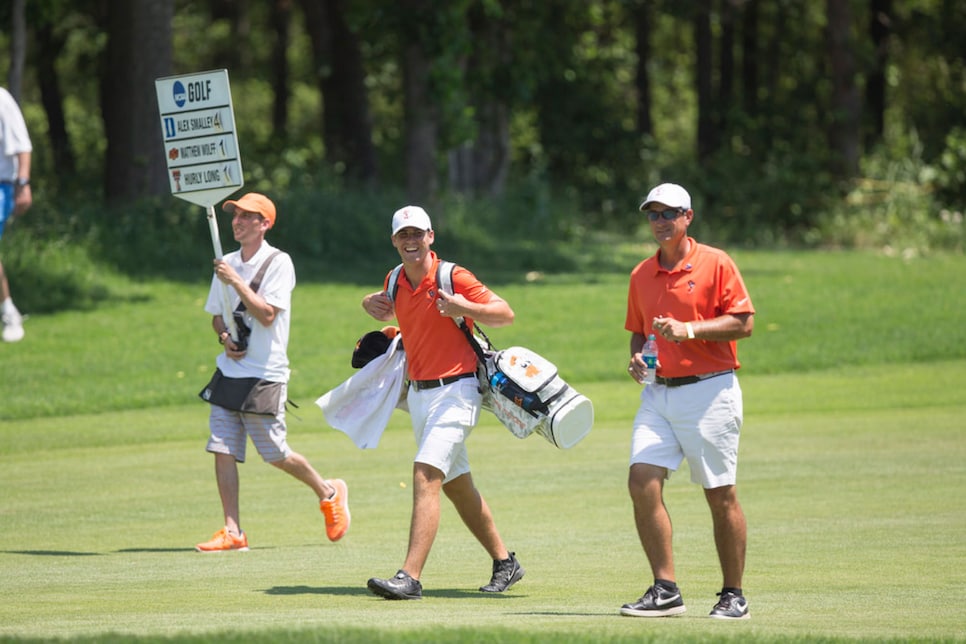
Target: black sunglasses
point(668, 214)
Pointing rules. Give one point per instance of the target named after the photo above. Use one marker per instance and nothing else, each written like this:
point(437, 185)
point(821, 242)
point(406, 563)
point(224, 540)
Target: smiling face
point(248, 226)
point(413, 245)
point(668, 230)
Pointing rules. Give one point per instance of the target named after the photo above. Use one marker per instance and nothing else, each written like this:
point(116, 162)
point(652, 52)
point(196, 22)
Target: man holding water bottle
point(692, 300)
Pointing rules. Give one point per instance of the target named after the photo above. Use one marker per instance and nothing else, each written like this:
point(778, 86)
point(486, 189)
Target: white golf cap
point(410, 217)
point(669, 194)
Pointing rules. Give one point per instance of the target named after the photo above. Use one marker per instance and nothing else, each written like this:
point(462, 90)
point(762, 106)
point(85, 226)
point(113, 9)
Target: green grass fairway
point(846, 511)
point(851, 476)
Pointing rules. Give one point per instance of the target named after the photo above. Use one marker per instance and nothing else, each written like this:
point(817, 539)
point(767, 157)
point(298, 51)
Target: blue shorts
point(6, 204)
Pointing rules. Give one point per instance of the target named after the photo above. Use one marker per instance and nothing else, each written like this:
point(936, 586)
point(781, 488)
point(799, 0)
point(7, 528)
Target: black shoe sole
point(389, 593)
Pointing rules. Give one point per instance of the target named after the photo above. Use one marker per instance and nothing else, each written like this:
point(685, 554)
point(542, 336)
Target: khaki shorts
point(229, 430)
point(700, 422)
point(442, 421)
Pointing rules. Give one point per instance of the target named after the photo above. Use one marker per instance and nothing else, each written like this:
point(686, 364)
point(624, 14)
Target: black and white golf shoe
point(656, 602)
point(401, 586)
point(505, 573)
point(730, 606)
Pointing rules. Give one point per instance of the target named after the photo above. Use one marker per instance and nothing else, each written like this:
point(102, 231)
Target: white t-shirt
point(14, 138)
point(267, 355)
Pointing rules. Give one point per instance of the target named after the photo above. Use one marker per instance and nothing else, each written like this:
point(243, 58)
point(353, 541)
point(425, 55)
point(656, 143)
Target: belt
point(420, 385)
point(689, 380)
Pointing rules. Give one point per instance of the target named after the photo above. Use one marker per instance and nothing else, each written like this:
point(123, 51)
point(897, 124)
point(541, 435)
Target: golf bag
point(521, 388)
point(525, 392)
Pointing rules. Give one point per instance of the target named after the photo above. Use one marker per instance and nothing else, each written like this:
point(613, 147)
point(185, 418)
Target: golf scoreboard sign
point(200, 142)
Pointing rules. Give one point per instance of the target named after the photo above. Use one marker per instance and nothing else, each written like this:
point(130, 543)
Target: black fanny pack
point(249, 395)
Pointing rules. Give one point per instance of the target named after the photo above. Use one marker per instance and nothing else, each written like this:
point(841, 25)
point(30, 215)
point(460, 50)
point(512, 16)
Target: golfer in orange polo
point(692, 299)
point(444, 400)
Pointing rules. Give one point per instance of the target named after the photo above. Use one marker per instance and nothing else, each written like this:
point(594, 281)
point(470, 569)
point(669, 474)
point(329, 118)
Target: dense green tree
point(589, 101)
point(339, 72)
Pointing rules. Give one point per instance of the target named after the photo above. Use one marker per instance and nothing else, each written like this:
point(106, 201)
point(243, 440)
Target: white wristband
point(690, 330)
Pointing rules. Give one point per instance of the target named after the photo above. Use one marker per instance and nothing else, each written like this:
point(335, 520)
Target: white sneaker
point(12, 327)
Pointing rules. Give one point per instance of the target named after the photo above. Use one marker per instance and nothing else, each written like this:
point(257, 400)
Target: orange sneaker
point(224, 540)
point(336, 511)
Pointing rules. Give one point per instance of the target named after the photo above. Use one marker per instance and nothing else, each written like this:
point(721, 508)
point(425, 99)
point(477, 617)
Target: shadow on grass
point(52, 553)
point(70, 553)
point(437, 593)
point(126, 550)
point(314, 590)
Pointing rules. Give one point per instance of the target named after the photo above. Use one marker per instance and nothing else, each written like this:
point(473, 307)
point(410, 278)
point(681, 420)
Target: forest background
point(528, 129)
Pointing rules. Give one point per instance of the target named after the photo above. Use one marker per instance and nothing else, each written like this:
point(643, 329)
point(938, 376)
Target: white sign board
point(200, 142)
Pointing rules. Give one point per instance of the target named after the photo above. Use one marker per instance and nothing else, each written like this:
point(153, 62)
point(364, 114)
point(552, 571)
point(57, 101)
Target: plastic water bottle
point(498, 381)
point(521, 398)
point(649, 355)
point(529, 401)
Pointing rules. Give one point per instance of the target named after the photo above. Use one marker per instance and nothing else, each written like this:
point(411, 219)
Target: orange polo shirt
point(705, 285)
point(435, 346)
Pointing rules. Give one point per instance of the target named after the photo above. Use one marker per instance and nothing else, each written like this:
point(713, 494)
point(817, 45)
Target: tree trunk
point(48, 46)
point(138, 51)
point(228, 54)
point(421, 113)
point(749, 58)
point(18, 48)
point(421, 126)
point(642, 19)
point(773, 56)
point(880, 26)
point(845, 106)
point(705, 89)
point(481, 166)
point(281, 19)
point(346, 120)
point(726, 72)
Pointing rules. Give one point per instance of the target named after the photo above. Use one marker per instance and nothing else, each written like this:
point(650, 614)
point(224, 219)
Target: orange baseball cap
point(253, 202)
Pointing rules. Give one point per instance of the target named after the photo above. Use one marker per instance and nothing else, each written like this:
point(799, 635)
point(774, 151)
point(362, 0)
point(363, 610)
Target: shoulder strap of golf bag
point(444, 281)
point(256, 282)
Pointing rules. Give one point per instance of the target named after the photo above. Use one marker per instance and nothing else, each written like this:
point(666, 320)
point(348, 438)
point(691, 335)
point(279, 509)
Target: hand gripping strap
point(444, 281)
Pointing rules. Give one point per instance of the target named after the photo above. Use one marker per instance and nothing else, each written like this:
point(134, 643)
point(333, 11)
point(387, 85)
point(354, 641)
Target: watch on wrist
point(20, 182)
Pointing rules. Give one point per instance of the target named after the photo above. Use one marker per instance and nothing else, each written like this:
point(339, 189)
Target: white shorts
point(230, 428)
point(700, 422)
point(442, 421)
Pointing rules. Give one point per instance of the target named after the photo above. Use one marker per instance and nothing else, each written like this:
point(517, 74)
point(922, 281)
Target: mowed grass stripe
point(102, 542)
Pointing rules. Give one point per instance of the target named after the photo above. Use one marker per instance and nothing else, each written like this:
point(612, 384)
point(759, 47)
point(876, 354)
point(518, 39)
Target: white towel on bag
point(361, 406)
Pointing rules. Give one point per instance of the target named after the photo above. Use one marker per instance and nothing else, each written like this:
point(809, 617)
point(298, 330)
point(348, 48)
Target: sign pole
point(226, 312)
point(201, 149)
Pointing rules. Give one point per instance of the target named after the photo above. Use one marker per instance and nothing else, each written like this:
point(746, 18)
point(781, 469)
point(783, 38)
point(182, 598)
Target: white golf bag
point(524, 391)
point(520, 388)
